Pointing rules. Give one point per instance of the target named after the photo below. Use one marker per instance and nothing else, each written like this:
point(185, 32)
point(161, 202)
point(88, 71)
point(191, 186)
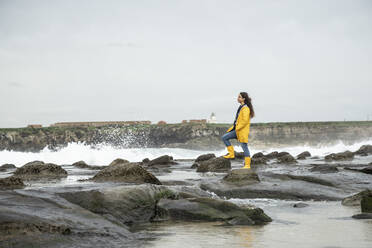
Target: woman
point(240, 129)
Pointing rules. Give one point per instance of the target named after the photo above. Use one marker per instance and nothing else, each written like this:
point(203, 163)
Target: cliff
point(199, 136)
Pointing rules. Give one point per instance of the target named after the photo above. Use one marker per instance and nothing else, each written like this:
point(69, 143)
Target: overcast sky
point(173, 60)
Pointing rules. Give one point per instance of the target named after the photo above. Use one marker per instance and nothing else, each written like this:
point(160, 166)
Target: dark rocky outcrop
point(258, 161)
point(363, 216)
point(354, 200)
point(286, 158)
point(162, 161)
point(126, 172)
point(11, 183)
point(7, 166)
point(207, 209)
point(40, 170)
point(205, 157)
point(219, 164)
point(367, 170)
point(324, 168)
point(300, 205)
point(118, 161)
point(304, 155)
point(241, 177)
point(81, 164)
point(272, 155)
point(309, 179)
point(364, 150)
point(366, 204)
point(347, 155)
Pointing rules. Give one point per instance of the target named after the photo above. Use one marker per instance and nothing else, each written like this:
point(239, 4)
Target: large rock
point(272, 155)
point(11, 183)
point(126, 204)
point(205, 157)
point(367, 170)
point(347, 155)
point(286, 159)
point(324, 168)
point(126, 172)
point(366, 203)
point(303, 155)
point(8, 166)
point(81, 164)
point(219, 164)
point(40, 170)
point(258, 161)
point(241, 177)
point(118, 161)
point(364, 150)
point(162, 161)
point(354, 200)
point(207, 209)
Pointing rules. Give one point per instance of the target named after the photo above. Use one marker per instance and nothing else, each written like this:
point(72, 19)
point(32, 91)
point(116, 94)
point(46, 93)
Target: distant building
point(212, 119)
point(35, 126)
point(162, 123)
point(184, 121)
point(198, 121)
point(97, 123)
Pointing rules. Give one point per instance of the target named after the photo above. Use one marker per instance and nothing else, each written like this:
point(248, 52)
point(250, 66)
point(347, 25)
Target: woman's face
point(240, 99)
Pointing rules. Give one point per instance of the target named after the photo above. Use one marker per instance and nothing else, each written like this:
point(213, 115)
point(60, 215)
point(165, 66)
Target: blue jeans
point(232, 135)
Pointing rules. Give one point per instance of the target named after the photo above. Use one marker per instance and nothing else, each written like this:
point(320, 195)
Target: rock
point(81, 164)
point(364, 150)
point(126, 204)
point(126, 172)
point(219, 164)
point(243, 220)
point(300, 205)
point(354, 200)
point(309, 179)
point(8, 166)
point(281, 154)
point(272, 155)
point(367, 170)
point(194, 166)
point(241, 177)
point(11, 183)
point(118, 161)
point(258, 155)
point(205, 157)
point(347, 155)
point(286, 159)
point(324, 168)
point(303, 155)
point(239, 155)
point(145, 160)
point(366, 204)
point(258, 161)
point(40, 170)
point(207, 209)
point(161, 161)
point(363, 216)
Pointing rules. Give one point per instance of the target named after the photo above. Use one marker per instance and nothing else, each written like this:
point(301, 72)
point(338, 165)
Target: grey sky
point(174, 60)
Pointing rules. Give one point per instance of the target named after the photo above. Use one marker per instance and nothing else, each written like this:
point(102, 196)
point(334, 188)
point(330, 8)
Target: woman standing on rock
point(240, 129)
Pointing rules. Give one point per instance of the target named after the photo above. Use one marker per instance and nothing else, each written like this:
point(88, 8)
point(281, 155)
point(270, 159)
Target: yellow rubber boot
point(247, 163)
point(231, 154)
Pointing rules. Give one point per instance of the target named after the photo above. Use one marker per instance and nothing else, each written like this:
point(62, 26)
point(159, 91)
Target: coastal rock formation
point(81, 164)
point(304, 155)
point(118, 161)
point(162, 161)
point(219, 164)
point(354, 200)
point(11, 183)
point(241, 177)
point(286, 158)
point(126, 172)
point(364, 150)
point(347, 155)
point(324, 168)
point(205, 157)
point(40, 170)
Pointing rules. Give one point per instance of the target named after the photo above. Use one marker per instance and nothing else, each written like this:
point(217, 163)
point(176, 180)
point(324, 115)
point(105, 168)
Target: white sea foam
point(104, 154)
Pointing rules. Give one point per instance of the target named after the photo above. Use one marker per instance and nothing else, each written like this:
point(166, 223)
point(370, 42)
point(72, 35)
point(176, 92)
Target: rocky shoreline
point(104, 203)
point(199, 136)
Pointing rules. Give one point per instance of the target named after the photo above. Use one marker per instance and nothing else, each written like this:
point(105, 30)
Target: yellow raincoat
point(242, 125)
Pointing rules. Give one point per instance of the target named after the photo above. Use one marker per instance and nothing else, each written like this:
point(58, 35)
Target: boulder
point(303, 155)
point(324, 168)
point(162, 161)
point(81, 164)
point(40, 170)
point(219, 164)
point(354, 200)
point(241, 177)
point(347, 155)
point(272, 155)
point(258, 161)
point(208, 209)
point(366, 204)
point(286, 159)
point(11, 183)
point(362, 216)
point(281, 154)
point(118, 161)
point(300, 205)
point(194, 166)
point(126, 172)
point(8, 166)
point(367, 170)
point(364, 150)
point(258, 155)
point(205, 157)
point(145, 160)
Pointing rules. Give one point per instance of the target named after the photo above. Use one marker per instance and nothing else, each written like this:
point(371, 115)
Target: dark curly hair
point(248, 101)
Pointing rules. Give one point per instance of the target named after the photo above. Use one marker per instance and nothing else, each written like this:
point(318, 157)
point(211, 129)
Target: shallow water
point(321, 224)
